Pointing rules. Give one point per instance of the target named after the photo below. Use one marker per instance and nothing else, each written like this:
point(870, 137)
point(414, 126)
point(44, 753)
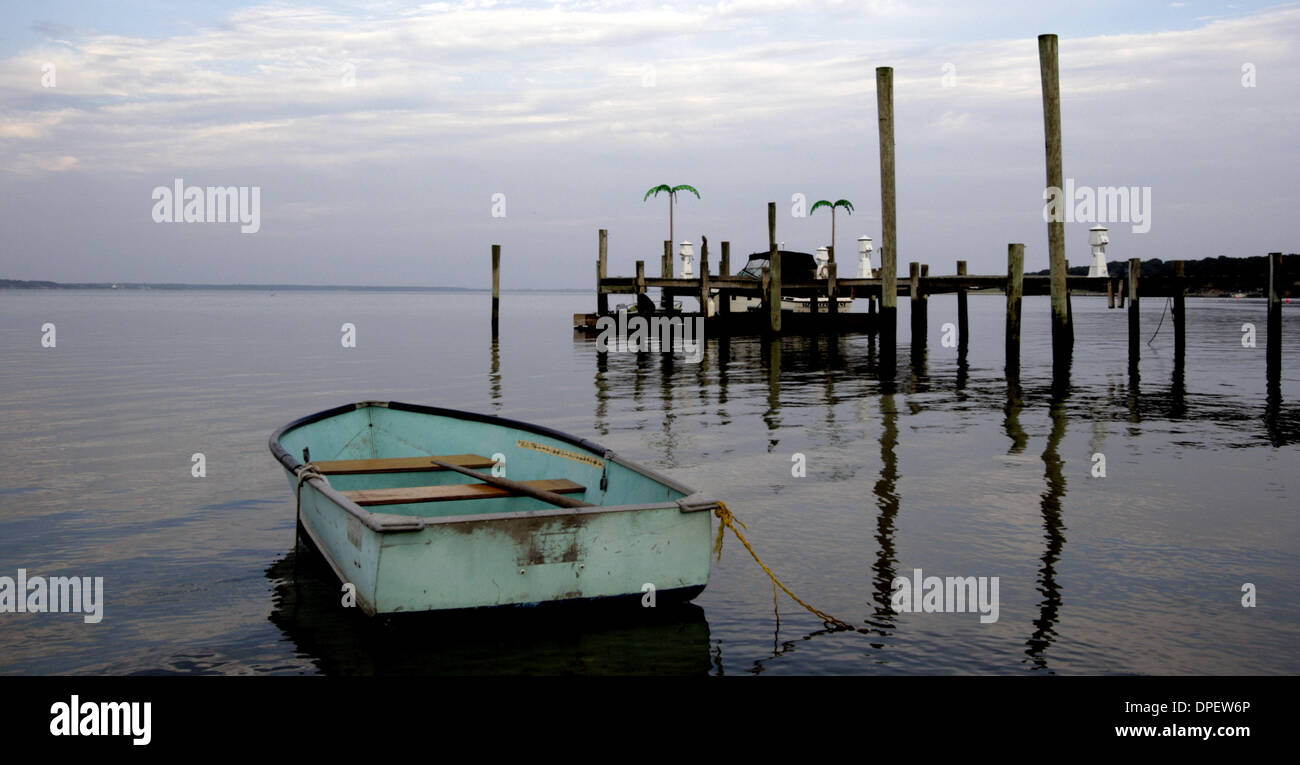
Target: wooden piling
point(666, 271)
point(704, 287)
point(774, 291)
point(917, 307)
point(771, 225)
point(1180, 308)
point(496, 287)
point(602, 300)
point(963, 318)
point(1015, 291)
point(640, 277)
point(833, 304)
point(1134, 324)
point(774, 276)
point(1110, 293)
point(724, 269)
point(923, 299)
point(1274, 316)
point(1062, 329)
point(1123, 291)
point(832, 292)
point(888, 213)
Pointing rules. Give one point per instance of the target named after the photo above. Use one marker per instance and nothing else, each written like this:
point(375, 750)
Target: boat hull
point(514, 551)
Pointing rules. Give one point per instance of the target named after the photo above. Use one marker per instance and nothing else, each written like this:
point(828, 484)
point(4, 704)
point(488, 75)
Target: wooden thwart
point(401, 464)
point(455, 492)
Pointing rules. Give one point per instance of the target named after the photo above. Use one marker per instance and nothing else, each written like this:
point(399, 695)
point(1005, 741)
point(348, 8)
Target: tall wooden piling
point(1062, 329)
point(496, 287)
point(640, 277)
point(1110, 293)
point(963, 318)
point(1274, 316)
point(1015, 290)
point(1180, 308)
point(602, 300)
point(1134, 323)
point(774, 281)
point(888, 214)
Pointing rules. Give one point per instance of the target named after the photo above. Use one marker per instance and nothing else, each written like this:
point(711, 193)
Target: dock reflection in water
point(791, 395)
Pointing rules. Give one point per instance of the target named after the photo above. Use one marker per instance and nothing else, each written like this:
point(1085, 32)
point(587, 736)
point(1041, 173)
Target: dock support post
point(1015, 291)
point(833, 304)
point(1110, 293)
point(1134, 324)
point(704, 287)
point(1274, 316)
point(918, 306)
point(602, 300)
point(774, 283)
point(496, 287)
point(666, 271)
point(640, 277)
point(1122, 284)
point(832, 293)
point(1062, 328)
point(1180, 308)
point(724, 269)
point(889, 218)
point(963, 317)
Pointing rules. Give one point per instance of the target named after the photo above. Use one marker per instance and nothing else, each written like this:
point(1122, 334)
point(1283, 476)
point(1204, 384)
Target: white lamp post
point(864, 250)
point(687, 251)
point(1098, 238)
point(822, 257)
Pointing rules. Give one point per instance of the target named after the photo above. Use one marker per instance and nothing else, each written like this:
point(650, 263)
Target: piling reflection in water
point(1049, 607)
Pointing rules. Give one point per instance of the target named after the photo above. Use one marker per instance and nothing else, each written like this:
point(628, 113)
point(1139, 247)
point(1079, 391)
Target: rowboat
point(421, 508)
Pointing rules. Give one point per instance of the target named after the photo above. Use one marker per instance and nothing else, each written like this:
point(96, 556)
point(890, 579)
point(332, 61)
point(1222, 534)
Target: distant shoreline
point(20, 284)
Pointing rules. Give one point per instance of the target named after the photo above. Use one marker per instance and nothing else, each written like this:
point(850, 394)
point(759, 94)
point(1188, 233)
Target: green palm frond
point(821, 203)
point(846, 204)
point(655, 191)
point(684, 187)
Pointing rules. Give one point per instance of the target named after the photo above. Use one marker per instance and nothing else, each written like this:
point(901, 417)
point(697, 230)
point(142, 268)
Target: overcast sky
point(379, 132)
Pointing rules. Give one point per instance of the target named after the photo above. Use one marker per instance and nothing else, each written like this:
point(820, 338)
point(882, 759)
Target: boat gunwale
point(393, 522)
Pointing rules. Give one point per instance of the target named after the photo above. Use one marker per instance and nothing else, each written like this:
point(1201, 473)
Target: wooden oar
point(516, 487)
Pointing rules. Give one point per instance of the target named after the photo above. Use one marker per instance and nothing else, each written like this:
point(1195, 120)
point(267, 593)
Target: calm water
point(945, 468)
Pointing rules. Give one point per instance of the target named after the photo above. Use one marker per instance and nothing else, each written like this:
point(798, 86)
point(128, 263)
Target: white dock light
point(687, 251)
point(1098, 238)
point(822, 257)
point(864, 249)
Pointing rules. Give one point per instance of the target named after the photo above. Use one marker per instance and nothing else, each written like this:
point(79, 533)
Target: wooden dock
point(882, 293)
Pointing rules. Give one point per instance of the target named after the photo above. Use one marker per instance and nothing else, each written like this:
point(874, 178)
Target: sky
point(392, 144)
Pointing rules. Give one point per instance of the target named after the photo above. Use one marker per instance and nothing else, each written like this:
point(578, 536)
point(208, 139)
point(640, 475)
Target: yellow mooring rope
point(729, 521)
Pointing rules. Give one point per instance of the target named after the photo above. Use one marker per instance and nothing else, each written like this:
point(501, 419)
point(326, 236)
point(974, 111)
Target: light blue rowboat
point(411, 535)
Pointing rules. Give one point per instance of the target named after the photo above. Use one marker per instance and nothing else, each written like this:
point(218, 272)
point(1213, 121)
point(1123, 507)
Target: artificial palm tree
point(846, 204)
point(671, 191)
